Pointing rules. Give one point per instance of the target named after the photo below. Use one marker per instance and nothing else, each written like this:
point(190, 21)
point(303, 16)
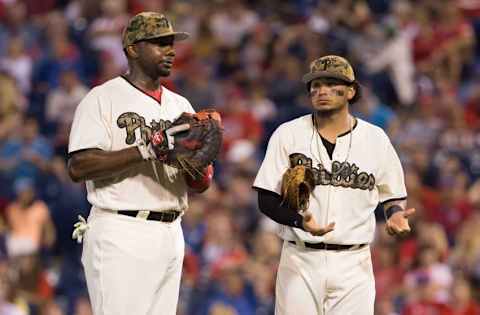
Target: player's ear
point(351, 92)
point(357, 94)
point(131, 51)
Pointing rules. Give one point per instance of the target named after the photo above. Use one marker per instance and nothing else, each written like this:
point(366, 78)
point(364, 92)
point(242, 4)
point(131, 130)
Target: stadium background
point(419, 62)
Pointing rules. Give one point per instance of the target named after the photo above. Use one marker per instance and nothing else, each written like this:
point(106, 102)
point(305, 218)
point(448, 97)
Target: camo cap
point(148, 25)
point(330, 67)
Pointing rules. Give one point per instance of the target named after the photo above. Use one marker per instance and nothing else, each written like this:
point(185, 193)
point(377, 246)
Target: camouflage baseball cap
point(148, 25)
point(330, 67)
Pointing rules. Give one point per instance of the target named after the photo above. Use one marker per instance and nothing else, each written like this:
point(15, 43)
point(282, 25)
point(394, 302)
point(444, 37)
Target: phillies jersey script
point(364, 171)
point(114, 116)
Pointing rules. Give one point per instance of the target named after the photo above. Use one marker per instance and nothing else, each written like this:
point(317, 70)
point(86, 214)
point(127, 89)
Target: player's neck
point(334, 124)
point(143, 81)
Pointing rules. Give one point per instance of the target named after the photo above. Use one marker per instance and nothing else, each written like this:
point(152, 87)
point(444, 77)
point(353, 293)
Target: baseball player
point(325, 266)
point(133, 244)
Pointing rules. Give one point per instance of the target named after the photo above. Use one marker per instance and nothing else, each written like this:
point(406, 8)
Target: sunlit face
point(330, 95)
point(156, 56)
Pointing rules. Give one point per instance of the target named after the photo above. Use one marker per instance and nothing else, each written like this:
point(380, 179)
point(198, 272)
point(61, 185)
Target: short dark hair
point(358, 92)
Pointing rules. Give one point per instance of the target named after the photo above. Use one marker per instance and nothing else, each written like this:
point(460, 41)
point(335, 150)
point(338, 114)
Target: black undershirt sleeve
point(270, 205)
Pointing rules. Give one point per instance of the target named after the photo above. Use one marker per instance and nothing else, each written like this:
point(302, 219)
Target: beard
point(164, 72)
point(154, 70)
point(158, 71)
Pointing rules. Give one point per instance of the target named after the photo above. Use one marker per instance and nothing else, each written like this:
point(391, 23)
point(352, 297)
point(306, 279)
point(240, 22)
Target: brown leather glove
point(297, 185)
point(191, 143)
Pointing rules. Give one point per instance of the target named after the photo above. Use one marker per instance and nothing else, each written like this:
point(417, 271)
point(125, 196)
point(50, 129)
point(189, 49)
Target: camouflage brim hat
point(148, 25)
point(330, 67)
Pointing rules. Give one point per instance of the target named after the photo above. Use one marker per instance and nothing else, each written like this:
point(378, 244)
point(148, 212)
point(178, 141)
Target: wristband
point(391, 210)
point(298, 222)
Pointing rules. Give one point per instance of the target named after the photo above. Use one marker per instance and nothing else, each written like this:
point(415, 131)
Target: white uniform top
point(371, 174)
point(113, 116)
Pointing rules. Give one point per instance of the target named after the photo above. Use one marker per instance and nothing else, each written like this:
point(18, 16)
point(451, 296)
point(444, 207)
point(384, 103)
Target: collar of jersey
point(139, 89)
point(346, 132)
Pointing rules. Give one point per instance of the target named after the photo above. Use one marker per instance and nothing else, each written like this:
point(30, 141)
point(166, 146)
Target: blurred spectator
point(63, 100)
point(198, 88)
point(462, 302)
point(193, 224)
point(31, 282)
point(220, 238)
point(431, 277)
point(82, 307)
point(51, 308)
point(30, 228)
point(106, 30)
point(232, 22)
point(388, 274)
point(12, 103)
point(11, 99)
point(231, 294)
point(60, 53)
point(108, 69)
point(7, 294)
point(372, 110)
point(395, 56)
point(238, 121)
point(15, 23)
point(26, 153)
point(18, 64)
point(466, 254)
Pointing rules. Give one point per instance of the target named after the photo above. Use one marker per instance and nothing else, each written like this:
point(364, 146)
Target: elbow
point(74, 171)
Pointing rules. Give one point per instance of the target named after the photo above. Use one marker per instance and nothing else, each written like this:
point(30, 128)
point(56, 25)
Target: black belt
point(326, 246)
point(163, 216)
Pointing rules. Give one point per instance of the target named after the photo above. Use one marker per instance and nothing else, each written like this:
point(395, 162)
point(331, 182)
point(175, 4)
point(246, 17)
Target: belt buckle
point(143, 214)
point(325, 246)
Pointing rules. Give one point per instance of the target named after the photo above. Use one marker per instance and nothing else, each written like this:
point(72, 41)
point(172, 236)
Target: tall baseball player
point(133, 244)
point(325, 266)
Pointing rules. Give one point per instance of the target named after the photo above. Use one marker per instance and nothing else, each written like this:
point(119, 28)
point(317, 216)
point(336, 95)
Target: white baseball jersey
point(113, 116)
point(364, 170)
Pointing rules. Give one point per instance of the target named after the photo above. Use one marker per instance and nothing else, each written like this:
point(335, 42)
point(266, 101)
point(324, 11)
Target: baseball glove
point(297, 185)
point(191, 143)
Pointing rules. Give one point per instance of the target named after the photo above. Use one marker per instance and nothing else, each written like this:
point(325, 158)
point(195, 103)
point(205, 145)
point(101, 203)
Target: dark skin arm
point(92, 164)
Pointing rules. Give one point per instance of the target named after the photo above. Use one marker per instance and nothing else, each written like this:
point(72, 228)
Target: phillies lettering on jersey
point(133, 121)
point(343, 173)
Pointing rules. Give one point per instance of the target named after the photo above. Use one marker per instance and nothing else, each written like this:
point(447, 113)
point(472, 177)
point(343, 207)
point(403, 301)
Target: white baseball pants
point(324, 282)
point(132, 266)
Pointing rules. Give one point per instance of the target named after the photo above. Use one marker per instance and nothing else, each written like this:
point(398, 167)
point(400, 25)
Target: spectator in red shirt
point(462, 302)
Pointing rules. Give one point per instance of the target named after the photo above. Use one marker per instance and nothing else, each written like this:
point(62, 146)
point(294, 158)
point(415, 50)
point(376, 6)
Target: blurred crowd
point(418, 62)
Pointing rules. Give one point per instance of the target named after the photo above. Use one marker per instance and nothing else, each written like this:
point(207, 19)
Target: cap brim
point(177, 36)
point(324, 74)
point(181, 35)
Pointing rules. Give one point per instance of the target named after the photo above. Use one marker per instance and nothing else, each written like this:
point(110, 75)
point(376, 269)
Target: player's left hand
point(397, 224)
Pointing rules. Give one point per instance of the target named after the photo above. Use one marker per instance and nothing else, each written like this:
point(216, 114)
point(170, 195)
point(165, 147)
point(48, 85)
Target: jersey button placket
point(336, 151)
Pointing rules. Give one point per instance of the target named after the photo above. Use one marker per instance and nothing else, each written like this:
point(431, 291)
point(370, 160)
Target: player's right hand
point(311, 225)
